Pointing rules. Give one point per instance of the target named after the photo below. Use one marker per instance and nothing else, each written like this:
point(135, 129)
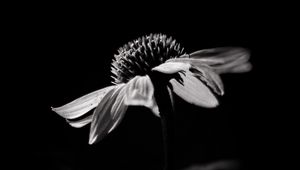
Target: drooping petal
point(212, 79)
point(82, 105)
point(82, 122)
point(115, 115)
point(171, 67)
point(140, 92)
point(108, 113)
point(154, 109)
point(194, 91)
point(224, 59)
point(118, 110)
point(203, 72)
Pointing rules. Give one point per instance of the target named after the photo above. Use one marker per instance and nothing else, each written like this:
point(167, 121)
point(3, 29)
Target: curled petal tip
point(213, 103)
point(155, 110)
point(80, 123)
point(91, 140)
point(54, 108)
point(243, 68)
point(222, 93)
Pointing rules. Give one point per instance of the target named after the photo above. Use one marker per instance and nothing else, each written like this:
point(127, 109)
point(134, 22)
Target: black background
point(63, 54)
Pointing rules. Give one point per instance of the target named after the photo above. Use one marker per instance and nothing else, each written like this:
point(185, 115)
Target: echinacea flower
point(194, 77)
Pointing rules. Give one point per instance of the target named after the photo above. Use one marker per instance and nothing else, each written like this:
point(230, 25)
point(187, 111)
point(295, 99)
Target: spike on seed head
point(141, 55)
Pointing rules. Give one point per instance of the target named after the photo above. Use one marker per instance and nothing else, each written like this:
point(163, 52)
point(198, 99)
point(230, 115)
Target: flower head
point(194, 77)
point(140, 56)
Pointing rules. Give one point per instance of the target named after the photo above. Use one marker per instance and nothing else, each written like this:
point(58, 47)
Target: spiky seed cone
point(141, 55)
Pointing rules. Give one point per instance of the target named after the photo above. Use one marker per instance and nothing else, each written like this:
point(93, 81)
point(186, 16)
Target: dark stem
point(167, 116)
point(167, 122)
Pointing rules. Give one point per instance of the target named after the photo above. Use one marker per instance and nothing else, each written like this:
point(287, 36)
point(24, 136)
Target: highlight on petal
point(140, 92)
point(224, 59)
point(171, 67)
point(108, 113)
point(194, 91)
point(82, 105)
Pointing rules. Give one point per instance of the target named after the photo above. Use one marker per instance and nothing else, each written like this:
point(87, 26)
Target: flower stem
point(167, 116)
point(167, 122)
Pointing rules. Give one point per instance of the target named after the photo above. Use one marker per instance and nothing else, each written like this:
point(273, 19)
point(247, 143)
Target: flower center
point(141, 55)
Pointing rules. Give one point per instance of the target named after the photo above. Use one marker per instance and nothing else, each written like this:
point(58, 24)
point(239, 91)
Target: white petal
point(204, 72)
point(154, 109)
point(108, 113)
point(81, 123)
point(82, 105)
point(239, 66)
point(171, 67)
point(140, 92)
point(225, 59)
point(212, 79)
point(118, 110)
point(194, 91)
point(192, 61)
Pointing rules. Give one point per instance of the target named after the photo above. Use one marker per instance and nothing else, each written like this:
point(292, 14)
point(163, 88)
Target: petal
point(108, 113)
point(140, 92)
point(225, 59)
point(118, 110)
point(154, 109)
point(194, 91)
point(81, 123)
point(204, 73)
point(171, 67)
point(212, 79)
point(82, 105)
point(192, 61)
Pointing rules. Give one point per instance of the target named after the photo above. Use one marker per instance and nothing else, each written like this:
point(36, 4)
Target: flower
point(194, 78)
